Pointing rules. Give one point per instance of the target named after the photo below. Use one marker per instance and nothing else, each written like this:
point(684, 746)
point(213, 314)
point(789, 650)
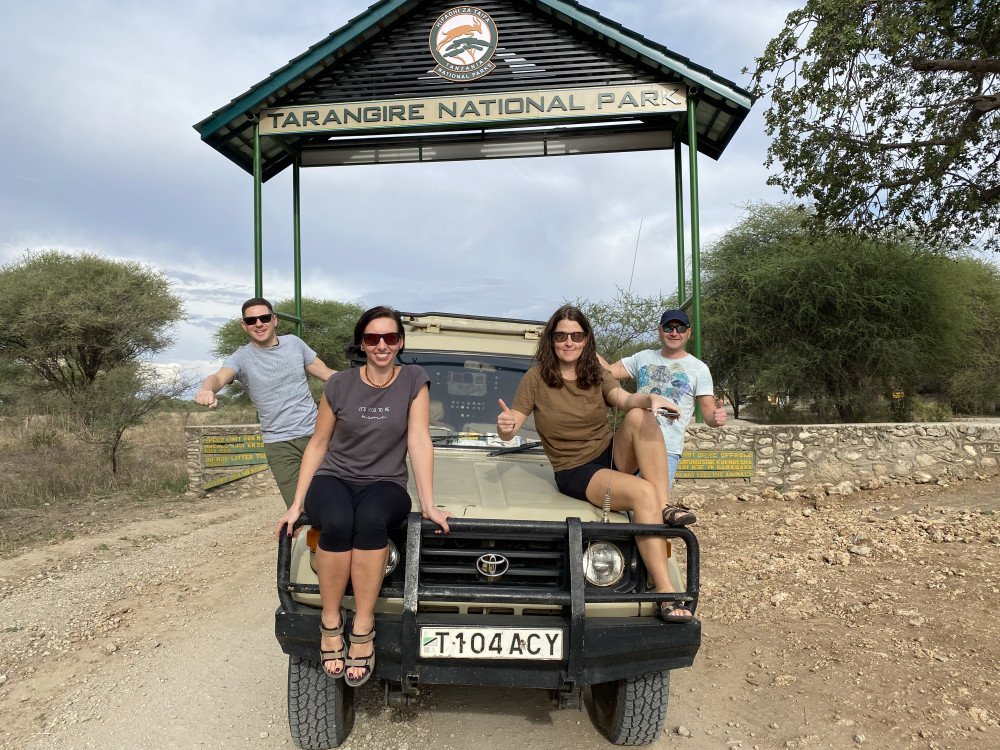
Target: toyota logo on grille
point(492, 566)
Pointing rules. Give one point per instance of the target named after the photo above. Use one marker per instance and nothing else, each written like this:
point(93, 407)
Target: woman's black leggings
point(354, 516)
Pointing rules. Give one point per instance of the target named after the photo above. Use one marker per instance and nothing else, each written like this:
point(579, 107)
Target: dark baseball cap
point(679, 315)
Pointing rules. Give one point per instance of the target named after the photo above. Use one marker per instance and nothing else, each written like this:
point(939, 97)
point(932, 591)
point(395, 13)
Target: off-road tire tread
point(320, 714)
point(640, 709)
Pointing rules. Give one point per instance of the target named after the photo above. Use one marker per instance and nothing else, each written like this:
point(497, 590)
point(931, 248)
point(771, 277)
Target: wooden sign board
point(232, 450)
point(227, 478)
point(222, 451)
point(716, 465)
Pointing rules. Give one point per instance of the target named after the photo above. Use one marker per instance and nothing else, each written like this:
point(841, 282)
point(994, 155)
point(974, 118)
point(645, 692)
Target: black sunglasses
point(252, 319)
point(680, 328)
point(371, 339)
point(560, 336)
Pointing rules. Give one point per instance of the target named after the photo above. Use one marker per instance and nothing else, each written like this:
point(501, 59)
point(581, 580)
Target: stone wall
point(787, 457)
point(801, 457)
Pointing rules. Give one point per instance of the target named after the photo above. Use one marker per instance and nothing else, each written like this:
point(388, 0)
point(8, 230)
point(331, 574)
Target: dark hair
point(253, 302)
point(588, 368)
point(354, 350)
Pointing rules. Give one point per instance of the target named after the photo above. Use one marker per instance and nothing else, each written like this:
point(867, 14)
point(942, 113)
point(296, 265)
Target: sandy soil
point(831, 622)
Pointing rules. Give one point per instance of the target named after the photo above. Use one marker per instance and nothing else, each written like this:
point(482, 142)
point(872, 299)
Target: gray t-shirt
point(681, 380)
point(369, 438)
point(275, 378)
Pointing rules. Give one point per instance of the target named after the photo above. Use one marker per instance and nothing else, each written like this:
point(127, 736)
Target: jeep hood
point(517, 486)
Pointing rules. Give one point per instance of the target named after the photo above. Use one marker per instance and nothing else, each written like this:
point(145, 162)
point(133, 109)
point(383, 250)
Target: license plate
point(543, 644)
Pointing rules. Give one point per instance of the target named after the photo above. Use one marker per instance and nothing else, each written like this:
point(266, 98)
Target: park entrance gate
point(434, 80)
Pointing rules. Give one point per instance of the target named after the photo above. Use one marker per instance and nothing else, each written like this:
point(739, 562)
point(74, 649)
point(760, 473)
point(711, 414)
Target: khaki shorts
point(284, 458)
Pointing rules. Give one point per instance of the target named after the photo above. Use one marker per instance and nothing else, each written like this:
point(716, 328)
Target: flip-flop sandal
point(365, 662)
point(334, 654)
point(674, 516)
point(670, 612)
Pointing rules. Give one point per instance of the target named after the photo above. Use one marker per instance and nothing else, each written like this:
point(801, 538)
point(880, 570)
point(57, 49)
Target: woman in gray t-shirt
point(352, 483)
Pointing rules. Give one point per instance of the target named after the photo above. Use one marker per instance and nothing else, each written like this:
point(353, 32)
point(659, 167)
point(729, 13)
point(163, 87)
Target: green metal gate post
point(695, 221)
point(679, 201)
point(692, 105)
point(297, 246)
point(258, 234)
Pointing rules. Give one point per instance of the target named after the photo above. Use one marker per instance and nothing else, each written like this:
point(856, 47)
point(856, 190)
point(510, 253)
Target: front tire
point(320, 708)
point(631, 711)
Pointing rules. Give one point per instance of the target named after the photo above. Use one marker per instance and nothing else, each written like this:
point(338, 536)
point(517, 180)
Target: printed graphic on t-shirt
point(374, 413)
point(670, 381)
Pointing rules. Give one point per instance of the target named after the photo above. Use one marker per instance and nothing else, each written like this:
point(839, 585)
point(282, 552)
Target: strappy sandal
point(674, 516)
point(365, 662)
point(671, 612)
point(334, 654)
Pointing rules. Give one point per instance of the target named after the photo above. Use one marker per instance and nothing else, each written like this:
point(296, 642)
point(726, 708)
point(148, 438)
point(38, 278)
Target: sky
point(98, 154)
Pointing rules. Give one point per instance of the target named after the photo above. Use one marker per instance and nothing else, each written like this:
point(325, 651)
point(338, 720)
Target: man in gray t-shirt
point(273, 371)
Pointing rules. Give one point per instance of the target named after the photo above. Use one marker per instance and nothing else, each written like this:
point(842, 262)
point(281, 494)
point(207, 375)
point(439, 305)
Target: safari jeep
point(530, 589)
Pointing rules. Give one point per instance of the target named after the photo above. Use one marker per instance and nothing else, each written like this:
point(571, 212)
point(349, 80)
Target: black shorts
point(574, 482)
point(354, 516)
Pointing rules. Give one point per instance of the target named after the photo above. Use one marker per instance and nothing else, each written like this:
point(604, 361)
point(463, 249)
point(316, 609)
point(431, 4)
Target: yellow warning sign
point(716, 465)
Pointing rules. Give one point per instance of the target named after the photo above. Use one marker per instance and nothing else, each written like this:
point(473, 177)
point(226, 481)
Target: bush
point(901, 407)
point(931, 411)
point(44, 439)
point(781, 411)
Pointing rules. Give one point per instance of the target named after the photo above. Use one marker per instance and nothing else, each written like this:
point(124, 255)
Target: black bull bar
point(599, 649)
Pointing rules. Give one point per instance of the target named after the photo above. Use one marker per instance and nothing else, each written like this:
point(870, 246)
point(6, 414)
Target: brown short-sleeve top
point(572, 422)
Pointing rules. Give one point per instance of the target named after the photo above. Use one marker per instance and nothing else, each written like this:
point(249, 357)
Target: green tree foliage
point(625, 324)
point(119, 399)
point(15, 385)
point(974, 388)
point(888, 114)
point(327, 326)
point(71, 317)
point(839, 319)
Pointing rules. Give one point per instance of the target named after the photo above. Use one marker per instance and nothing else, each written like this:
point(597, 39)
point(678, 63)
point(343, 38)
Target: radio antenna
point(635, 254)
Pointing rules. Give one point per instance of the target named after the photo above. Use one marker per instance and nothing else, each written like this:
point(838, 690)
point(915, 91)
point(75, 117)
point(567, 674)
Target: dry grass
point(44, 460)
point(54, 485)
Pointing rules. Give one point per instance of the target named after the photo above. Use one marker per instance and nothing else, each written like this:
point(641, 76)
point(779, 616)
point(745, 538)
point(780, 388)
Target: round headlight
point(393, 559)
point(603, 564)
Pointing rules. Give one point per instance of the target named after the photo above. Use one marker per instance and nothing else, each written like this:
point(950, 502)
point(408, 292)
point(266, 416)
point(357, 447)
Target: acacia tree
point(832, 317)
point(888, 114)
point(119, 399)
point(69, 318)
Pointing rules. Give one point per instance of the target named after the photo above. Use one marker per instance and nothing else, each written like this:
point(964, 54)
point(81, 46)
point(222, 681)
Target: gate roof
point(383, 54)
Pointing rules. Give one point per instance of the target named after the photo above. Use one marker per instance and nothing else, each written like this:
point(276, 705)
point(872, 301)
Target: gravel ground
point(831, 621)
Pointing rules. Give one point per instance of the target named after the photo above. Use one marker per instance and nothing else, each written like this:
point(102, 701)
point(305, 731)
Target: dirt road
point(830, 622)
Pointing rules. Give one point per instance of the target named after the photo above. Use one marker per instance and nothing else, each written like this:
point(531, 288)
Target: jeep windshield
point(464, 392)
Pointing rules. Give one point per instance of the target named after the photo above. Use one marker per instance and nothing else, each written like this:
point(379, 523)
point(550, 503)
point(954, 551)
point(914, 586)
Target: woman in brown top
point(352, 483)
point(569, 392)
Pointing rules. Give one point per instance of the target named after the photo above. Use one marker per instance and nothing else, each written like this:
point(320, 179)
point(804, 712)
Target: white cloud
point(99, 154)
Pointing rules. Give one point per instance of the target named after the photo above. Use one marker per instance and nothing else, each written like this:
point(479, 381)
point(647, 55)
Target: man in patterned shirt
point(680, 377)
point(273, 371)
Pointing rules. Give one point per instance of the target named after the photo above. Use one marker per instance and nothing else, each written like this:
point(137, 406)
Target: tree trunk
point(113, 450)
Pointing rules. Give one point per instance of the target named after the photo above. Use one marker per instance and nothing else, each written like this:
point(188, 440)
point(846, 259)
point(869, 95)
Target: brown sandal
point(671, 612)
point(365, 662)
point(334, 654)
point(674, 516)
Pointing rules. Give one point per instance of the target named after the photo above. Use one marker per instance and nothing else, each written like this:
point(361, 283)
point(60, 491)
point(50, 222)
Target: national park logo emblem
point(462, 42)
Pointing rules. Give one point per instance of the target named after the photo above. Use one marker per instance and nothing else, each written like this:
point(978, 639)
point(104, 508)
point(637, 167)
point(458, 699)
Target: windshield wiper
point(462, 436)
point(515, 448)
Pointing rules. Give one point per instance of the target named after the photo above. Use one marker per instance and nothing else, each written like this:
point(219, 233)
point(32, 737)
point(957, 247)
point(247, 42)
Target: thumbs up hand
point(506, 423)
point(720, 413)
